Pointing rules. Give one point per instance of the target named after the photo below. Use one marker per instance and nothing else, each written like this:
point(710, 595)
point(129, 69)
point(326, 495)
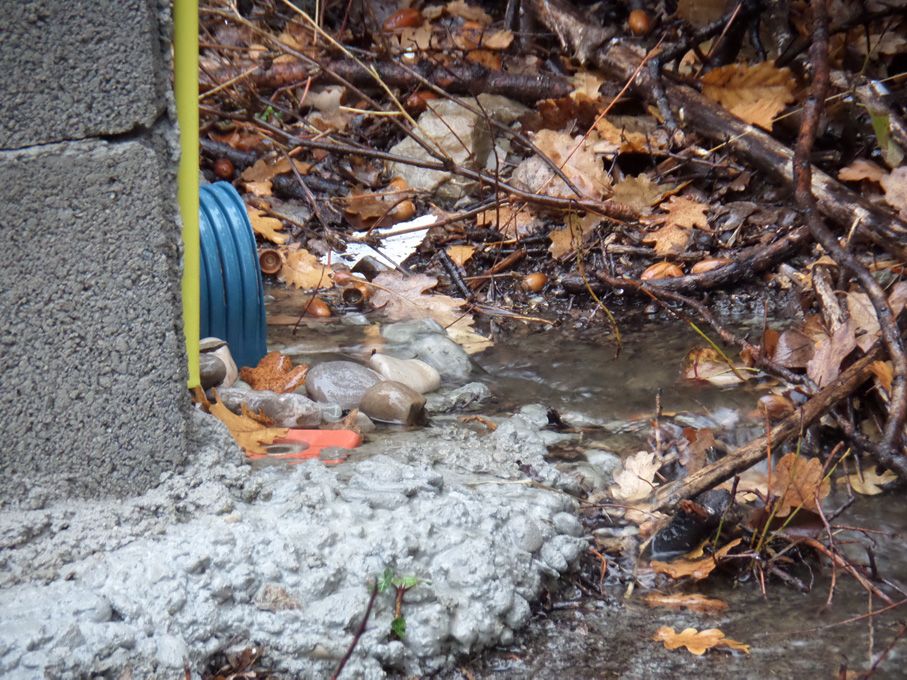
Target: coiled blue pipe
point(232, 294)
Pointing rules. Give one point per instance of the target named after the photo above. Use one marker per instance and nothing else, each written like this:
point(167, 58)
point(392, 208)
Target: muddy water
point(792, 635)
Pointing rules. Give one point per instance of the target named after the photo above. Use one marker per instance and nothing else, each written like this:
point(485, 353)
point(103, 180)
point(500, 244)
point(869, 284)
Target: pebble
point(393, 402)
point(411, 372)
point(404, 332)
point(340, 382)
point(212, 371)
point(439, 351)
point(219, 349)
point(459, 399)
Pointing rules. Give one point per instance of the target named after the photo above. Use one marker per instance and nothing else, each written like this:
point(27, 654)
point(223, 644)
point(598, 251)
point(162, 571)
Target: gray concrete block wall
point(92, 362)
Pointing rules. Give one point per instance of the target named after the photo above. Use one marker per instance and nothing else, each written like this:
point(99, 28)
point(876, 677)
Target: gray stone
point(212, 371)
point(404, 332)
point(462, 398)
point(71, 70)
point(340, 382)
point(413, 373)
point(92, 333)
point(439, 351)
point(286, 410)
point(393, 402)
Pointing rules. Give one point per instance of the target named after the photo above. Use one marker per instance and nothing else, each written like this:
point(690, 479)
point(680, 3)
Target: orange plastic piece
point(313, 442)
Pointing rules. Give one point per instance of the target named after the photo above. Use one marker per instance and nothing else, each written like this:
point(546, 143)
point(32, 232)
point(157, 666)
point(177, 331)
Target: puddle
point(576, 374)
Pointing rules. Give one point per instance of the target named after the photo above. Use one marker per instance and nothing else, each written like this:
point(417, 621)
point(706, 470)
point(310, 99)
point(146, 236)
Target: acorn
point(318, 308)
point(534, 282)
point(356, 293)
point(408, 17)
point(640, 22)
point(270, 260)
point(224, 169)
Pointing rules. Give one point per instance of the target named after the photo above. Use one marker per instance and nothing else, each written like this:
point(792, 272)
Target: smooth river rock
point(445, 355)
point(286, 410)
point(393, 402)
point(340, 382)
point(411, 372)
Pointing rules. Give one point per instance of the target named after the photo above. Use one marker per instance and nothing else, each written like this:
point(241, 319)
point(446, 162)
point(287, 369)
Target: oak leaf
point(303, 270)
point(576, 159)
point(800, 483)
point(565, 241)
point(461, 254)
point(697, 569)
point(870, 482)
point(705, 363)
point(250, 435)
point(698, 642)
point(755, 93)
point(830, 351)
point(509, 221)
point(275, 372)
point(267, 226)
point(639, 193)
point(634, 481)
point(861, 169)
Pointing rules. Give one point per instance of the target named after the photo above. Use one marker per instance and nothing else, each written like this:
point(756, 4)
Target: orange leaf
point(275, 372)
point(267, 226)
point(697, 642)
point(661, 270)
point(800, 483)
point(862, 169)
point(251, 435)
point(640, 193)
point(461, 254)
point(696, 569)
point(693, 602)
point(303, 270)
point(754, 93)
point(709, 264)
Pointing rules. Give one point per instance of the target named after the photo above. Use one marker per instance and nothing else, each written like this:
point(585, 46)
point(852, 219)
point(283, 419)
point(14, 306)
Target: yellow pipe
point(185, 87)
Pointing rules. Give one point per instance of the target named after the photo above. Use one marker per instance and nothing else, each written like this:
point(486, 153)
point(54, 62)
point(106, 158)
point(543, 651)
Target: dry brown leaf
point(576, 159)
point(862, 169)
point(303, 270)
point(368, 209)
point(700, 12)
point(265, 169)
point(755, 94)
point(497, 40)
point(251, 435)
point(275, 372)
point(406, 297)
point(620, 140)
point(799, 483)
point(511, 223)
point(693, 602)
point(661, 270)
point(266, 226)
point(698, 642)
point(461, 254)
point(462, 9)
point(697, 569)
point(895, 186)
point(634, 481)
point(671, 239)
point(830, 351)
point(884, 374)
point(638, 192)
point(709, 264)
point(565, 241)
point(794, 349)
point(870, 483)
point(704, 363)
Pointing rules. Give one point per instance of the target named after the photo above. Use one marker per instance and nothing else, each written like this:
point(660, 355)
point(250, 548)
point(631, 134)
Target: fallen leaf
point(862, 169)
point(577, 161)
point(405, 297)
point(303, 270)
point(661, 270)
point(621, 140)
point(462, 9)
point(275, 372)
point(251, 435)
point(265, 169)
point(639, 193)
point(671, 239)
point(461, 254)
point(266, 226)
point(698, 642)
point(565, 241)
point(510, 222)
point(696, 569)
point(586, 85)
point(634, 481)
point(368, 209)
point(704, 363)
point(799, 483)
point(755, 93)
point(884, 374)
point(709, 264)
point(895, 186)
point(794, 349)
point(825, 364)
point(870, 483)
point(693, 602)
point(866, 323)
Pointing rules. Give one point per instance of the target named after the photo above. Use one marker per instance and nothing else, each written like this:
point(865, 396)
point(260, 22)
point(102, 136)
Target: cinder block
point(92, 360)
point(71, 70)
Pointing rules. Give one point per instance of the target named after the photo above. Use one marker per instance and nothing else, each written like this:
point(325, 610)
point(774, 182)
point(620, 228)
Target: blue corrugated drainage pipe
point(232, 295)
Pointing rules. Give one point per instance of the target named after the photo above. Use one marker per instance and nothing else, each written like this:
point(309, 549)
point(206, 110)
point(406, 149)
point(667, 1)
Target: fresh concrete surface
point(282, 557)
point(71, 70)
point(92, 357)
